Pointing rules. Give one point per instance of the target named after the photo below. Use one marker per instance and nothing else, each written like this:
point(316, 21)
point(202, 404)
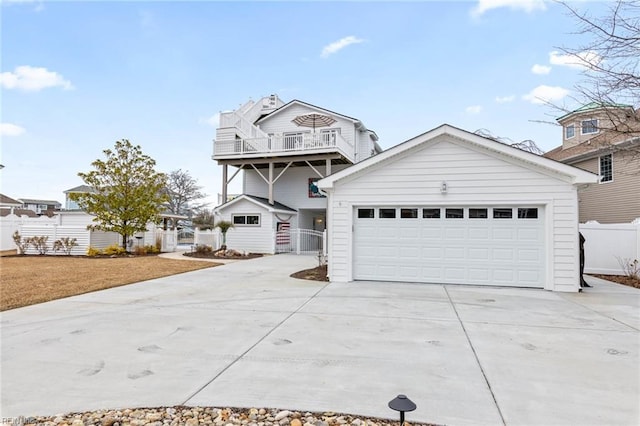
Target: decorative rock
point(296, 422)
point(262, 411)
point(281, 415)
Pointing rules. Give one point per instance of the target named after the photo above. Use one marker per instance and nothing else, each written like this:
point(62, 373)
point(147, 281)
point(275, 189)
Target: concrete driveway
point(245, 334)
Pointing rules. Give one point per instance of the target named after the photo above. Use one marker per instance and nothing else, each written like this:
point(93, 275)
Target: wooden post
point(328, 167)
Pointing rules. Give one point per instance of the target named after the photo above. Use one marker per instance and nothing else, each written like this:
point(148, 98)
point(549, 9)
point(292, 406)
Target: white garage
point(452, 207)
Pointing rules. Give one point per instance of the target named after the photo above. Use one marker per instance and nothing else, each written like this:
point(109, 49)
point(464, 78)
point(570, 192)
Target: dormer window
point(569, 131)
point(589, 126)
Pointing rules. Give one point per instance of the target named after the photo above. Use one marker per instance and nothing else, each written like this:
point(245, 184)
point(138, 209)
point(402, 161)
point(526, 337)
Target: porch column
point(271, 182)
point(224, 183)
point(328, 167)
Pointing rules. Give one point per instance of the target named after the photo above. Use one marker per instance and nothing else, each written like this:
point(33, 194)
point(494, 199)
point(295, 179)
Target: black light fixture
point(402, 404)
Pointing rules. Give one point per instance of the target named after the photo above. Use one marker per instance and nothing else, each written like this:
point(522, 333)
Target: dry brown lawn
point(27, 280)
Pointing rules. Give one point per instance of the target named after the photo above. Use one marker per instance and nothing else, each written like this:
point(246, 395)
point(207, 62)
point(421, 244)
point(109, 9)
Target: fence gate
point(300, 241)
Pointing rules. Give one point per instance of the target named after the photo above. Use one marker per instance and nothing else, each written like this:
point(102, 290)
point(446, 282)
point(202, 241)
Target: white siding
point(291, 189)
point(257, 239)
point(472, 177)
point(281, 122)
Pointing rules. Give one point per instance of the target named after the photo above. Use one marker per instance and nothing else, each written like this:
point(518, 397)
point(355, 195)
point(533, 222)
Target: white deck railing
point(285, 144)
point(301, 241)
point(234, 119)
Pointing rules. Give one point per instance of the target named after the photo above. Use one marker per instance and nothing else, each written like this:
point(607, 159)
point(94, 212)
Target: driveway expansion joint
point(475, 355)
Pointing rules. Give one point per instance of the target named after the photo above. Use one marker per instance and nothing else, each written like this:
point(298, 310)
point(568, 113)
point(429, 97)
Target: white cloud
point(213, 121)
point(332, 48)
point(585, 59)
point(525, 5)
point(39, 4)
point(473, 109)
point(30, 78)
point(505, 99)
point(540, 69)
point(8, 129)
point(545, 94)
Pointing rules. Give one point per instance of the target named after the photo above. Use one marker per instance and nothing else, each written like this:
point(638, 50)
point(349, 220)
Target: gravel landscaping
point(193, 416)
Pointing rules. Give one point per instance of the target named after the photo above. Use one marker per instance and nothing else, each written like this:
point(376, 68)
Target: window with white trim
point(606, 168)
point(589, 126)
point(245, 219)
point(569, 131)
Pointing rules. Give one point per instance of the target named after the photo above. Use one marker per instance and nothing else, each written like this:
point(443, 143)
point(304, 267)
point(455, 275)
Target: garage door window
point(478, 213)
point(387, 213)
point(454, 213)
point(502, 213)
point(409, 213)
point(431, 213)
point(366, 213)
point(531, 213)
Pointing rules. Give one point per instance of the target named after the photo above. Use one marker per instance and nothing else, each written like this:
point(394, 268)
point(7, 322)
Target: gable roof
point(8, 201)
point(359, 124)
point(80, 188)
point(528, 159)
point(261, 202)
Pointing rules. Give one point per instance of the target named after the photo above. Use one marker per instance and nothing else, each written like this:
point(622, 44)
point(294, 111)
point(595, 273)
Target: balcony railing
point(286, 144)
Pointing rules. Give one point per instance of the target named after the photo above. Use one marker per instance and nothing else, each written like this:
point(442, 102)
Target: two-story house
point(282, 150)
point(604, 139)
point(41, 207)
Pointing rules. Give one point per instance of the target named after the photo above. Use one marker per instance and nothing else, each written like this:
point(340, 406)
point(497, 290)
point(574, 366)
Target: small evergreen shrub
point(114, 250)
point(93, 252)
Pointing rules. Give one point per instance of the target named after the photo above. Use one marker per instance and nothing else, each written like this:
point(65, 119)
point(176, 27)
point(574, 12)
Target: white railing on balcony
point(285, 144)
point(233, 119)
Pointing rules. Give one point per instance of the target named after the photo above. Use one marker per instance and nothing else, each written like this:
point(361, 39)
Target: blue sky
point(77, 76)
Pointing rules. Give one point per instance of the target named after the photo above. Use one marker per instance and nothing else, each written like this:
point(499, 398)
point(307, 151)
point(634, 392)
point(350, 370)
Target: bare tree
point(610, 59)
point(525, 145)
point(184, 192)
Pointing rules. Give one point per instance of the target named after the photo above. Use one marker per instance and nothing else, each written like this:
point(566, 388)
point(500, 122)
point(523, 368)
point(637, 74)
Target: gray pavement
point(246, 334)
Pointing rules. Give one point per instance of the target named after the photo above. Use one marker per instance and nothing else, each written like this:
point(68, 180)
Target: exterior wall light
point(443, 187)
point(402, 404)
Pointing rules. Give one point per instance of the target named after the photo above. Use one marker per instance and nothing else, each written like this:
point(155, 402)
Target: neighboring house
point(40, 207)
point(283, 150)
point(452, 207)
point(9, 205)
point(70, 204)
point(604, 140)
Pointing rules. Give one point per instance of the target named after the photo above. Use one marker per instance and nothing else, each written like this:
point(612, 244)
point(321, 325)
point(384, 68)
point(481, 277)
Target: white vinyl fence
point(607, 244)
point(12, 223)
point(301, 241)
point(51, 228)
point(209, 237)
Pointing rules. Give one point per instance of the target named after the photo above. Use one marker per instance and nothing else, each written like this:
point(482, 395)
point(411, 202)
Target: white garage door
point(453, 245)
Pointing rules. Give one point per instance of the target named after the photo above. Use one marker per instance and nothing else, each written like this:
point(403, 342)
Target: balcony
point(284, 145)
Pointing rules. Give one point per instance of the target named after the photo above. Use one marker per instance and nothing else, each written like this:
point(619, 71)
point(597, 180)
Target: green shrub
point(114, 250)
point(93, 252)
